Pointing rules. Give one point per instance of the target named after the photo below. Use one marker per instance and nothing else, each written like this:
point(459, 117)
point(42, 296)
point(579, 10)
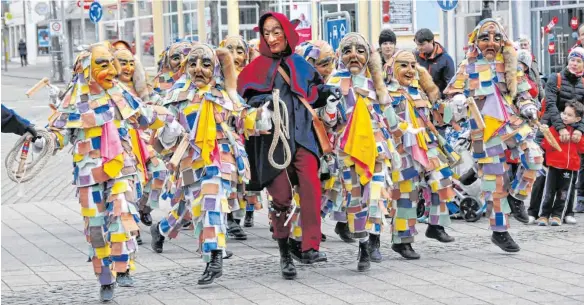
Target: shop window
point(128, 32)
point(170, 29)
point(502, 5)
point(144, 7)
point(146, 30)
point(474, 7)
point(352, 9)
point(170, 6)
point(127, 10)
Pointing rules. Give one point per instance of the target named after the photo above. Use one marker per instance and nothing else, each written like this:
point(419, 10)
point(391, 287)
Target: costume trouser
point(109, 211)
point(495, 181)
point(157, 175)
point(559, 189)
point(536, 194)
point(303, 172)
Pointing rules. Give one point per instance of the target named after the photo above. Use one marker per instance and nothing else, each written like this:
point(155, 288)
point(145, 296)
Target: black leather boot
point(364, 263)
point(214, 268)
point(504, 241)
point(286, 263)
point(157, 241)
point(295, 248)
point(248, 221)
point(438, 233)
point(139, 239)
point(312, 256)
point(373, 247)
point(342, 229)
point(146, 218)
point(106, 292)
point(405, 250)
point(518, 209)
point(234, 230)
point(322, 237)
point(124, 279)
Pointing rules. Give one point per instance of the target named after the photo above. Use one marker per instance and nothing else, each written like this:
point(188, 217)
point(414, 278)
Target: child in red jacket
point(563, 169)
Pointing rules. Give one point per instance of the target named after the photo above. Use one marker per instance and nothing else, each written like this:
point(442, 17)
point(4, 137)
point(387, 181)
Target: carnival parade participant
point(214, 162)
point(363, 147)
point(254, 48)
point(169, 67)
point(500, 121)
point(322, 57)
point(152, 170)
point(299, 87)
point(425, 155)
point(100, 119)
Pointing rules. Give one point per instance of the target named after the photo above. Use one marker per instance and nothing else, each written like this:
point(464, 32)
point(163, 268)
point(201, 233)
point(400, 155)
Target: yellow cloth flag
point(113, 167)
point(491, 126)
point(141, 164)
point(360, 143)
point(420, 136)
point(206, 131)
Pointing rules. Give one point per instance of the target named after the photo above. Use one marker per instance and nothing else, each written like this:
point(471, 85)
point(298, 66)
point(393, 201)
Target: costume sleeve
point(551, 108)
point(459, 82)
point(12, 122)
point(172, 129)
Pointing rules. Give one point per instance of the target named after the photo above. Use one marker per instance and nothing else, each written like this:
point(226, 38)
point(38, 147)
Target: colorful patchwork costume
point(489, 74)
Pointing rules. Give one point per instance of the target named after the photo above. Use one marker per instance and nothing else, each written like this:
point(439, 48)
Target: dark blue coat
point(12, 122)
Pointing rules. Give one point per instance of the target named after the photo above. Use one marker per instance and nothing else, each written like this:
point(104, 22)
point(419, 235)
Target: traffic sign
point(95, 12)
point(335, 29)
point(56, 28)
point(41, 8)
point(447, 5)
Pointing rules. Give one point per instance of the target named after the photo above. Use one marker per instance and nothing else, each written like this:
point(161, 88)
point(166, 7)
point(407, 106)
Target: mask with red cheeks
point(354, 52)
point(274, 35)
point(490, 40)
point(404, 68)
point(201, 65)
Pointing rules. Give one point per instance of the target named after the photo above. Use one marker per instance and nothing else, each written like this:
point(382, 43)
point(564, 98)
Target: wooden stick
point(547, 134)
point(180, 151)
point(475, 113)
point(43, 82)
point(23, 156)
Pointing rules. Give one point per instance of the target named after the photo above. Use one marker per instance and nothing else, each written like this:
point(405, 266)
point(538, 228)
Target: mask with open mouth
point(127, 64)
point(102, 68)
point(354, 52)
point(200, 65)
point(490, 40)
point(238, 49)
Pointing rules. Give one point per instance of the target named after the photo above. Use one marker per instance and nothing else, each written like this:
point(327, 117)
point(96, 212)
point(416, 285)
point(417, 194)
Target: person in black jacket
point(571, 86)
point(13, 123)
point(387, 40)
point(432, 56)
point(22, 52)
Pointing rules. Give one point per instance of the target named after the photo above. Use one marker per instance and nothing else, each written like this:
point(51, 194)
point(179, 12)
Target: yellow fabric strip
point(206, 131)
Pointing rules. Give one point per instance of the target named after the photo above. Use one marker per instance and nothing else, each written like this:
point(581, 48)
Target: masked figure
point(425, 155)
point(239, 51)
point(279, 68)
point(358, 190)
point(204, 100)
point(254, 48)
point(499, 122)
point(169, 66)
point(320, 55)
point(153, 173)
point(101, 120)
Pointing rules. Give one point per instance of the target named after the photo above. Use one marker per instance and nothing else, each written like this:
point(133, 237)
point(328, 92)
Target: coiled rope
point(26, 171)
point(280, 121)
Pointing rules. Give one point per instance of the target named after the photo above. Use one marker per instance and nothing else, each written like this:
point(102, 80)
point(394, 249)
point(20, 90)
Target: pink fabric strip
point(111, 145)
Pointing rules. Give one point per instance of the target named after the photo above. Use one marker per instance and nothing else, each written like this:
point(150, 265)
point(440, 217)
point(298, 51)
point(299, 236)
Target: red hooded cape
point(258, 76)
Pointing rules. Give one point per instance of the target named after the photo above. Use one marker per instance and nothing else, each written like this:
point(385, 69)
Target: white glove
point(170, 133)
point(458, 104)
point(265, 121)
point(529, 112)
point(331, 104)
point(414, 131)
point(38, 145)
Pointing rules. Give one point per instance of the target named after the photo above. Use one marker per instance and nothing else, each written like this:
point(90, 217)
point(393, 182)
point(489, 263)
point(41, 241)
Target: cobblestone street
point(44, 253)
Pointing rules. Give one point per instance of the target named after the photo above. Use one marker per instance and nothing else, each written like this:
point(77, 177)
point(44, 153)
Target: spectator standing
point(525, 44)
point(432, 56)
point(563, 166)
point(23, 53)
point(387, 41)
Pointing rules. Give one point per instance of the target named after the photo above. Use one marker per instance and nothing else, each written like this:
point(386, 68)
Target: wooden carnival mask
point(103, 70)
point(201, 65)
point(238, 49)
point(404, 68)
point(176, 54)
point(355, 52)
point(490, 40)
point(127, 65)
point(274, 35)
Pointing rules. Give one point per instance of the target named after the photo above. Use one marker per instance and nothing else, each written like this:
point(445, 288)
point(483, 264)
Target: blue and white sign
point(95, 12)
point(336, 30)
point(447, 5)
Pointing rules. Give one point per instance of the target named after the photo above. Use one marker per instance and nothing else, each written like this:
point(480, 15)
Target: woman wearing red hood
point(296, 79)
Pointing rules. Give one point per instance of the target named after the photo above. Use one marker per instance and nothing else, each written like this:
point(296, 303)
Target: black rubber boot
point(248, 221)
point(295, 248)
point(106, 292)
point(234, 230)
point(373, 247)
point(139, 239)
point(124, 279)
point(364, 263)
point(518, 209)
point(342, 229)
point(504, 241)
point(146, 218)
point(438, 233)
point(312, 256)
point(286, 263)
point(214, 268)
point(157, 241)
point(322, 237)
point(405, 250)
